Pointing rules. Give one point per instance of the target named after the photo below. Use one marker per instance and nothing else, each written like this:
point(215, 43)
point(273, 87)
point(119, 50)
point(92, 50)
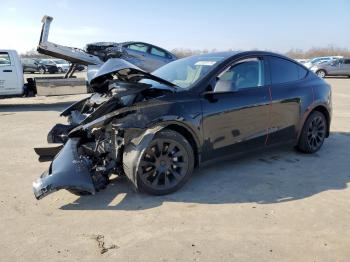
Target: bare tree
point(318, 51)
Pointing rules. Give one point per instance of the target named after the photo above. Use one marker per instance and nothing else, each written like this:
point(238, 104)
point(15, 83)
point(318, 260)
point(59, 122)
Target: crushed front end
point(109, 139)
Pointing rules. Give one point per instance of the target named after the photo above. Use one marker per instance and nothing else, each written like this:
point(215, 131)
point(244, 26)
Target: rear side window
point(138, 47)
point(4, 59)
point(157, 52)
point(347, 61)
point(302, 72)
point(284, 71)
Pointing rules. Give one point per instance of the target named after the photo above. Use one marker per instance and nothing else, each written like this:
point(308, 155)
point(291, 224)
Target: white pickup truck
point(11, 75)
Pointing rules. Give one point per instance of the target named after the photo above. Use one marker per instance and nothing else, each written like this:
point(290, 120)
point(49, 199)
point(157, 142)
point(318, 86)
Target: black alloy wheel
point(313, 133)
point(166, 164)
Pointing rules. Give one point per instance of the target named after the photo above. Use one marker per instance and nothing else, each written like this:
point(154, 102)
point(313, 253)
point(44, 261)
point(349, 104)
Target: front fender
point(135, 146)
point(133, 152)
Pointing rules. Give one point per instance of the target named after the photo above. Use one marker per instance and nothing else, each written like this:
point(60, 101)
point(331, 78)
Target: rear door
point(287, 90)
point(8, 75)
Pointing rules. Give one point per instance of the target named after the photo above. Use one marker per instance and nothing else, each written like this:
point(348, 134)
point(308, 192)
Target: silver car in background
point(145, 56)
point(337, 67)
point(321, 59)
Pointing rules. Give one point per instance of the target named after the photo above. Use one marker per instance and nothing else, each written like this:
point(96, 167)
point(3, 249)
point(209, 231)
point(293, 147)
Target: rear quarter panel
point(317, 93)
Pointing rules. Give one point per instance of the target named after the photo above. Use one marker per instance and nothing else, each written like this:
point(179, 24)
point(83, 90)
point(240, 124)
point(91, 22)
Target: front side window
point(242, 74)
point(4, 59)
point(138, 47)
point(284, 71)
point(347, 61)
point(158, 52)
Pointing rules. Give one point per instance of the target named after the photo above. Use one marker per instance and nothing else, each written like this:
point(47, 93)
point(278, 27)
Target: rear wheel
point(313, 133)
point(321, 73)
point(166, 164)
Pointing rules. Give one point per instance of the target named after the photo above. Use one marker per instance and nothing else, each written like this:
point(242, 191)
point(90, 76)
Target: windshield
point(186, 72)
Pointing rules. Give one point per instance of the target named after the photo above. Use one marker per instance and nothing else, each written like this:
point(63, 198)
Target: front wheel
point(313, 133)
point(321, 73)
point(60, 70)
point(42, 71)
point(166, 164)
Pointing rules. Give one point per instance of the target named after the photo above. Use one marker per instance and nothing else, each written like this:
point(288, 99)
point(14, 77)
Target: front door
point(8, 75)
point(236, 113)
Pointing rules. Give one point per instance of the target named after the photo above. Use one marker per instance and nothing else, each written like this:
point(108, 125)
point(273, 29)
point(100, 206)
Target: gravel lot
point(278, 205)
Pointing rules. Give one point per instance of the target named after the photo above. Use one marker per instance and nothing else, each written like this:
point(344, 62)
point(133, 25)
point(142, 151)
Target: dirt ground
point(278, 205)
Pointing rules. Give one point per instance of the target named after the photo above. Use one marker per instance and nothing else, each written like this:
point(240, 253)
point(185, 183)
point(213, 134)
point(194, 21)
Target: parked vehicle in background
point(302, 61)
point(337, 67)
point(31, 65)
point(61, 64)
point(317, 60)
point(11, 75)
point(80, 68)
point(50, 67)
point(146, 56)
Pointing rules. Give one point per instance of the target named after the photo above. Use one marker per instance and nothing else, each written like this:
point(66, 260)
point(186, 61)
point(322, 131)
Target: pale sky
point(197, 24)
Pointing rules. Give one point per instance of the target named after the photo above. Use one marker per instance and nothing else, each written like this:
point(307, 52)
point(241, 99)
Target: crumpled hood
point(123, 69)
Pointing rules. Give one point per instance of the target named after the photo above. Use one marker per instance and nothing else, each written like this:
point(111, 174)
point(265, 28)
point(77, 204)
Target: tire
point(313, 133)
point(166, 164)
point(42, 71)
point(321, 73)
point(30, 93)
point(60, 70)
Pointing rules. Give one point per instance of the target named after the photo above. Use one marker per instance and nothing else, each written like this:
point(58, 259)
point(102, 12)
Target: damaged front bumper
point(67, 171)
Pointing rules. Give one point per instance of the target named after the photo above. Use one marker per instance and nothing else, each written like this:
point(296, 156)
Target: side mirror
point(225, 86)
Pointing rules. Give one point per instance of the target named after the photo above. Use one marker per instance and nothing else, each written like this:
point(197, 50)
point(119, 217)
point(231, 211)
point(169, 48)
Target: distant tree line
point(318, 51)
point(293, 53)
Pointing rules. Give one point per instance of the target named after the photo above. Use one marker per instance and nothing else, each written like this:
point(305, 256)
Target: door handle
point(7, 71)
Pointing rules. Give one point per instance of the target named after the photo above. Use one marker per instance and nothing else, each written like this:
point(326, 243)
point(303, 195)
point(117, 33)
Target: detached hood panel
point(123, 69)
point(113, 66)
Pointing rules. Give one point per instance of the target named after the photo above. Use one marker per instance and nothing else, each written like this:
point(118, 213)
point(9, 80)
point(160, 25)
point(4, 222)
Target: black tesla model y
point(155, 128)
